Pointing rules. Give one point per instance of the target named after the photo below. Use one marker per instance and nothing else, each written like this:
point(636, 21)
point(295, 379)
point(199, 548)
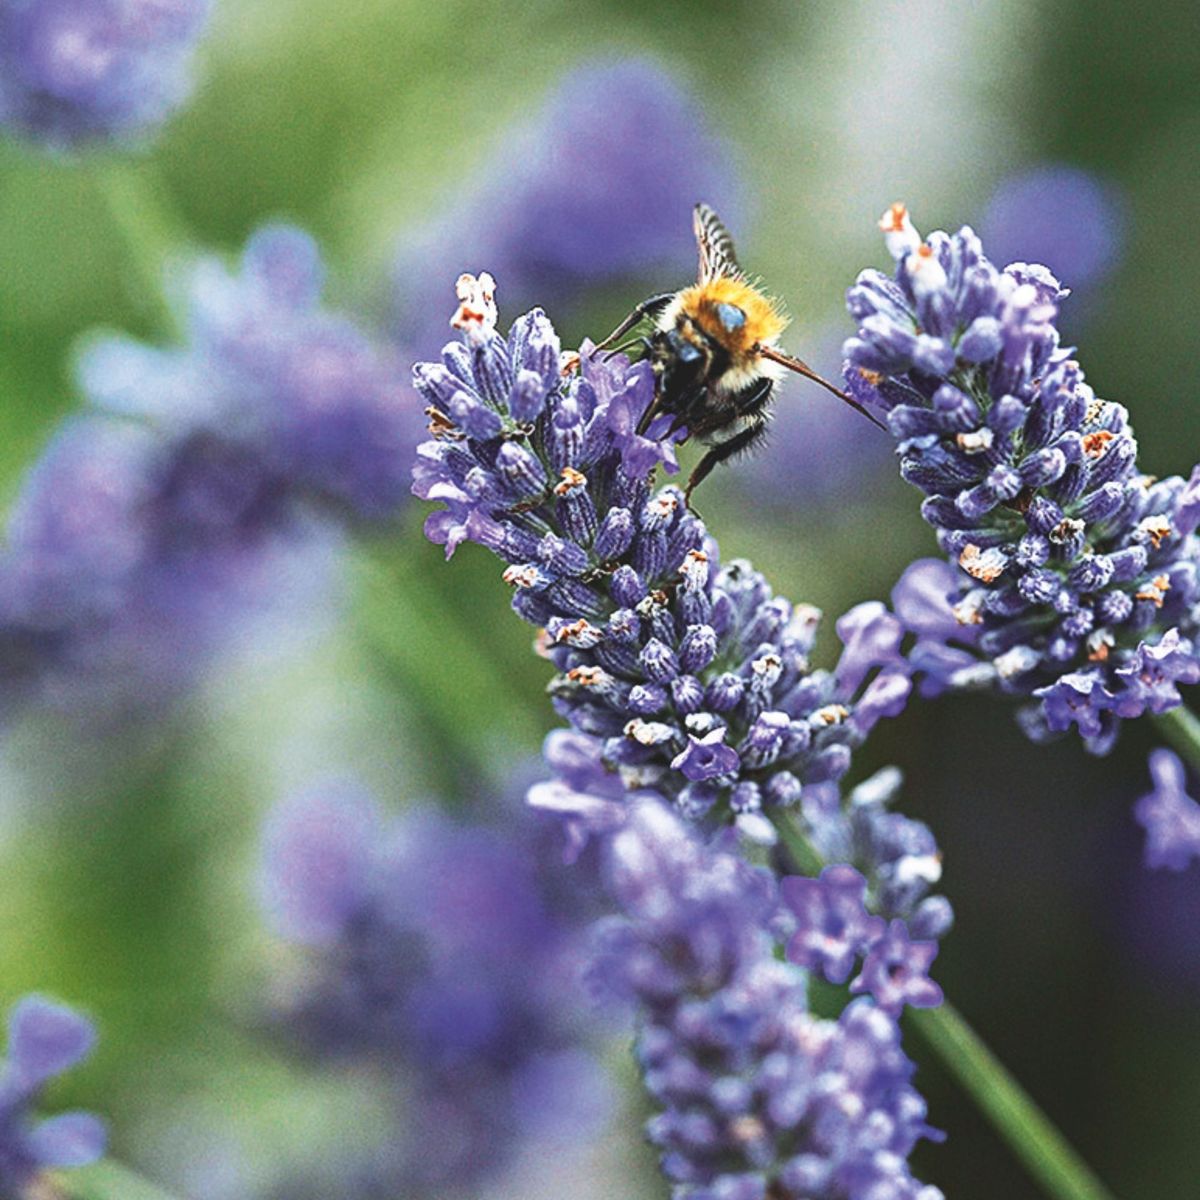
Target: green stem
point(1181, 727)
point(149, 230)
point(1047, 1155)
point(107, 1180)
point(1012, 1112)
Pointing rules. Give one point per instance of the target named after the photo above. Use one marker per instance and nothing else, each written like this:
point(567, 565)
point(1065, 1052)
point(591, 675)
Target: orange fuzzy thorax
point(764, 320)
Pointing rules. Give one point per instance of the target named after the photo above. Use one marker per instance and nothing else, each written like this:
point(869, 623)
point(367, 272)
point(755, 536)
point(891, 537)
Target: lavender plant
point(44, 1039)
point(77, 72)
point(1170, 817)
point(199, 480)
point(1072, 576)
point(688, 682)
point(436, 962)
point(758, 1098)
point(691, 676)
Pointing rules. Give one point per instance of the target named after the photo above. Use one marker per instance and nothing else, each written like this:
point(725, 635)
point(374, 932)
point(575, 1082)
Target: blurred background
point(561, 147)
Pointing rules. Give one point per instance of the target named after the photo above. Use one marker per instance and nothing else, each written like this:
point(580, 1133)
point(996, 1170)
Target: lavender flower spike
point(44, 1039)
point(1170, 817)
point(757, 1097)
point(436, 963)
point(79, 71)
point(1072, 576)
point(693, 679)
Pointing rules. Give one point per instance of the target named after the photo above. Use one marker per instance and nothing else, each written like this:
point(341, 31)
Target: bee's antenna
point(802, 368)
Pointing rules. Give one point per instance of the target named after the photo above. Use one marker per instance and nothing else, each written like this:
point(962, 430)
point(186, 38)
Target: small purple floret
point(896, 972)
point(1170, 817)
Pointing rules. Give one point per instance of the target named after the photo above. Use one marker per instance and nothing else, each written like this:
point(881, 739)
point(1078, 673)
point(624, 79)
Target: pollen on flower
point(899, 234)
point(976, 441)
point(476, 314)
point(440, 425)
point(1094, 444)
point(1156, 590)
point(985, 565)
point(589, 676)
point(581, 634)
point(1099, 645)
point(967, 611)
point(927, 274)
point(571, 479)
point(831, 714)
point(1065, 530)
point(1155, 529)
point(521, 575)
point(568, 362)
point(648, 733)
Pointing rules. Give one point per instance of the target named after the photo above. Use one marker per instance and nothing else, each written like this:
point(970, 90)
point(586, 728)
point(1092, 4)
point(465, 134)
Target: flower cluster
point(691, 676)
point(44, 1039)
point(435, 962)
point(1170, 817)
point(758, 1098)
point(562, 202)
point(873, 901)
point(182, 498)
point(78, 71)
point(1072, 576)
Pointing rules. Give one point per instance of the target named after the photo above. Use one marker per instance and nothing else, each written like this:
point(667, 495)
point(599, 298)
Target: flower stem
point(1181, 727)
point(148, 229)
point(1012, 1112)
point(107, 1180)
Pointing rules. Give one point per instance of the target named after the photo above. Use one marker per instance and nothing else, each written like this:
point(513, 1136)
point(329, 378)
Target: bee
point(715, 354)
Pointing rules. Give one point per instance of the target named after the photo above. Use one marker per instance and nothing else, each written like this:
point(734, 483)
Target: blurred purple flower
point(1059, 215)
point(79, 71)
point(181, 504)
point(564, 202)
point(757, 1097)
point(896, 972)
point(44, 1039)
point(435, 961)
point(832, 923)
point(1170, 817)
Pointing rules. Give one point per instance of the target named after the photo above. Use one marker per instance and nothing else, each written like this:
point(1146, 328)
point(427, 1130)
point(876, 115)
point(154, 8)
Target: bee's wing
point(717, 258)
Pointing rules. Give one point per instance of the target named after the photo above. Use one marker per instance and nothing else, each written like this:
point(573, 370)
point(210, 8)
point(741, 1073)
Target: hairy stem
point(1014, 1115)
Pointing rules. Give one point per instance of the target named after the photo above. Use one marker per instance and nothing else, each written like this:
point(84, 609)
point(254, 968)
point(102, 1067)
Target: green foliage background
point(128, 863)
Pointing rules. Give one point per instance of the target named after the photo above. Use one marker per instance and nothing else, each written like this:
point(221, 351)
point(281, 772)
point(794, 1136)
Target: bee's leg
point(740, 441)
point(648, 308)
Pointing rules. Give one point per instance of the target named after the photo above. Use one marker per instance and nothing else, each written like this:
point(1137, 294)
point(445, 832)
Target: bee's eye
point(731, 316)
point(688, 353)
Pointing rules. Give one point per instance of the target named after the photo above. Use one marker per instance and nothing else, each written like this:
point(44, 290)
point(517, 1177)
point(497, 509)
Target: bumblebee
point(714, 352)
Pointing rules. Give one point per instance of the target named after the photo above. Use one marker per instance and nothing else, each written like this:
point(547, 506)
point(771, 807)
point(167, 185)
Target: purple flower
point(527, 217)
point(138, 547)
point(1076, 699)
point(707, 757)
point(436, 962)
point(691, 675)
point(833, 926)
point(896, 972)
point(756, 1097)
point(79, 71)
point(1170, 817)
point(1059, 215)
point(44, 1039)
point(1152, 673)
point(641, 453)
point(1066, 564)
